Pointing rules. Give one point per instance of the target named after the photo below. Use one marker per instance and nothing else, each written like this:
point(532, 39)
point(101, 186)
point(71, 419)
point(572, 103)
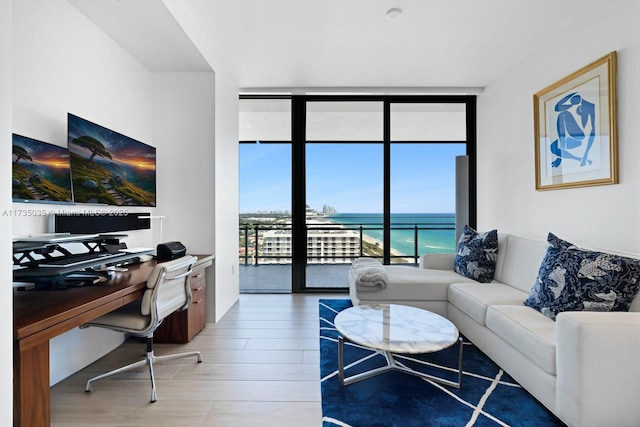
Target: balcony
point(330, 249)
point(276, 278)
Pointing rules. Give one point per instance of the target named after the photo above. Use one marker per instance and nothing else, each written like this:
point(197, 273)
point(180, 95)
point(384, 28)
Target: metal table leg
point(392, 365)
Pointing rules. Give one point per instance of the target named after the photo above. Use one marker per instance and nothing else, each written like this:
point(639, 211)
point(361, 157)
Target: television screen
point(108, 167)
point(40, 171)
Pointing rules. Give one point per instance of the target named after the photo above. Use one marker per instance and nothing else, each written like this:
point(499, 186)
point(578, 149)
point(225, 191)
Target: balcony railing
point(254, 251)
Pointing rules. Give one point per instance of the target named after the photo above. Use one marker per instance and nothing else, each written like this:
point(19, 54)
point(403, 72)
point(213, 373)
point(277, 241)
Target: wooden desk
point(39, 316)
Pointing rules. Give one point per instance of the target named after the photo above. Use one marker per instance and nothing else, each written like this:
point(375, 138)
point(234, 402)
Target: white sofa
point(584, 366)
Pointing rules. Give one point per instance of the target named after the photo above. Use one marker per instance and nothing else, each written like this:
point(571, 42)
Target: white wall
point(6, 306)
point(184, 132)
point(604, 216)
point(226, 195)
point(226, 161)
point(63, 63)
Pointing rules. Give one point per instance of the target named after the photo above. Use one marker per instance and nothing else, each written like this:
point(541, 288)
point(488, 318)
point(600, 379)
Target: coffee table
point(394, 328)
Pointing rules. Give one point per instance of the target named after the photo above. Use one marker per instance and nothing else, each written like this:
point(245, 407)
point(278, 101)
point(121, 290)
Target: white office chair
point(167, 291)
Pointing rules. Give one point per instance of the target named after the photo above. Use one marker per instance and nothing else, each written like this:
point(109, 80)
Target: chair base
point(149, 360)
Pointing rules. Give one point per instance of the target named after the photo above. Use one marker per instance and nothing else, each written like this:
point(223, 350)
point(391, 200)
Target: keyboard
point(74, 260)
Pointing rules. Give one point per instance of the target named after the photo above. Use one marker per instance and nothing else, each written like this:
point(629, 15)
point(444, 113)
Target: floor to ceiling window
point(265, 195)
point(326, 179)
point(344, 185)
point(425, 139)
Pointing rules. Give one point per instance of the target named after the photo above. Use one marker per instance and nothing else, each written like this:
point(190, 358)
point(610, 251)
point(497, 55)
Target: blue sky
point(349, 177)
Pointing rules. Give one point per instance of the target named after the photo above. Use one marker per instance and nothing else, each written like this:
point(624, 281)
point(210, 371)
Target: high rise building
point(323, 246)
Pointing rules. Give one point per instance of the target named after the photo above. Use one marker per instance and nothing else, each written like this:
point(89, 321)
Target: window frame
point(298, 163)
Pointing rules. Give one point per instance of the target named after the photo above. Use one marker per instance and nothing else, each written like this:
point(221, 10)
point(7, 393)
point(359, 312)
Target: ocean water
point(436, 232)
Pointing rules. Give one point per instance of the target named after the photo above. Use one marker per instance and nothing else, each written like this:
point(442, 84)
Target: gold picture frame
point(576, 128)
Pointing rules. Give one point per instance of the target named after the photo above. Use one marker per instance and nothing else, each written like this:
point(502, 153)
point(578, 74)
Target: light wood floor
point(260, 368)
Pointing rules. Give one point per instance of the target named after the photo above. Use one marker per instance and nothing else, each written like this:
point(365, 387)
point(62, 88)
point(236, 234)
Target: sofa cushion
point(474, 298)
point(573, 279)
point(503, 245)
point(520, 261)
point(416, 284)
point(476, 254)
point(526, 330)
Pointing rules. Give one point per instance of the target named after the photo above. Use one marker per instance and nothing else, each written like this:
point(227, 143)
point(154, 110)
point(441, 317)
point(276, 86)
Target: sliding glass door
point(344, 159)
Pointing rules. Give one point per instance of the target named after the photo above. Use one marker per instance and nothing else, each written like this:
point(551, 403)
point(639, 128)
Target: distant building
point(323, 246)
point(329, 210)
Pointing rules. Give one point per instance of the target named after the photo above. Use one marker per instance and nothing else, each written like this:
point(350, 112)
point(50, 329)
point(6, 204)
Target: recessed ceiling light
point(393, 13)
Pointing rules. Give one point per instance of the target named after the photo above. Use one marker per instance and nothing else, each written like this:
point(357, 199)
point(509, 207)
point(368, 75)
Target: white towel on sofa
point(368, 274)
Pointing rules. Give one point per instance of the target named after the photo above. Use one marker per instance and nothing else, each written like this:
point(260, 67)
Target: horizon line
point(350, 213)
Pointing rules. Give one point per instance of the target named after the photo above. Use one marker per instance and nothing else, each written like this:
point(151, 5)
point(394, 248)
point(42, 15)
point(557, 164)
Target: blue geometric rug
point(488, 396)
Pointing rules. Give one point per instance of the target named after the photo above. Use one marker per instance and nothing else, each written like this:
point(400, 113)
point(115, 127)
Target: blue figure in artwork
point(576, 126)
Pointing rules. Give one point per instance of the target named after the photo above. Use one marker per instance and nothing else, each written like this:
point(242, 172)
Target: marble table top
point(396, 328)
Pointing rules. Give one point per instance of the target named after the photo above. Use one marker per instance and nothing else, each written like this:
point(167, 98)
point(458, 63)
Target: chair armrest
point(598, 368)
point(437, 261)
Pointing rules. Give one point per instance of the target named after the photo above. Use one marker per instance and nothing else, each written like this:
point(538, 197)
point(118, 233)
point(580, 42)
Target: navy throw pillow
point(574, 279)
point(476, 254)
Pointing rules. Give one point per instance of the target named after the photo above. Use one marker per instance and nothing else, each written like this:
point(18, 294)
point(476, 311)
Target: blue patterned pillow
point(476, 254)
point(574, 279)
point(556, 242)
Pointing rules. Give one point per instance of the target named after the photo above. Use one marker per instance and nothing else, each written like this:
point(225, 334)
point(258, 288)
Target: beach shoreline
point(394, 252)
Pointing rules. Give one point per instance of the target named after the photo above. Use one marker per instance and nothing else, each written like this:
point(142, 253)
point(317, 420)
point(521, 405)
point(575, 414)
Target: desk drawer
point(197, 312)
point(182, 326)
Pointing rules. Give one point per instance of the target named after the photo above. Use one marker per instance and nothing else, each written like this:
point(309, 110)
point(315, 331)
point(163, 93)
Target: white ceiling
point(147, 30)
point(340, 45)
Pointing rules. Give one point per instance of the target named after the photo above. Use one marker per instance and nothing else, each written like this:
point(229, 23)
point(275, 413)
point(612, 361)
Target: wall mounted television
point(108, 167)
point(41, 171)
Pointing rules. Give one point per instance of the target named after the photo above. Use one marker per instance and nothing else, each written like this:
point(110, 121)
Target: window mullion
point(386, 218)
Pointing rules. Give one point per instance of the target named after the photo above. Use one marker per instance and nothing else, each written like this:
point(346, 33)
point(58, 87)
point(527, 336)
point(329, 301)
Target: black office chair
point(167, 291)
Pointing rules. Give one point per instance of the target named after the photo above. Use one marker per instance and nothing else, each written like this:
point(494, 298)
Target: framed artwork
point(575, 128)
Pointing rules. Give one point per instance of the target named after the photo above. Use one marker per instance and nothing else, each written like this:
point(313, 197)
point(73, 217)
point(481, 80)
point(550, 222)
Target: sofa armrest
point(437, 261)
point(598, 368)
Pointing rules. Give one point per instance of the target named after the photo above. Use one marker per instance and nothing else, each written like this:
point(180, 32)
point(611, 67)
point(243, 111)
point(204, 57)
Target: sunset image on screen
point(108, 167)
point(41, 171)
